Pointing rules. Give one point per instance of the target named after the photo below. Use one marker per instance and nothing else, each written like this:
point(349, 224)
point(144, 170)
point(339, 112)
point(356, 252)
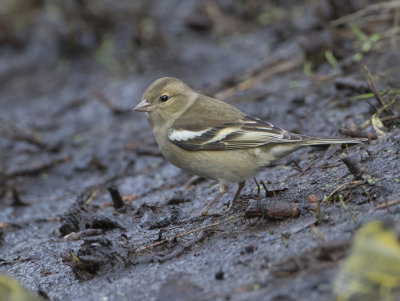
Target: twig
point(362, 12)
point(318, 234)
point(151, 151)
point(41, 167)
point(189, 232)
point(358, 133)
point(267, 72)
point(326, 199)
point(91, 197)
point(367, 123)
point(355, 167)
point(182, 249)
point(354, 217)
point(351, 84)
point(328, 153)
point(388, 118)
point(108, 103)
point(277, 211)
point(115, 196)
point(372, 86)
point(388, 204)
point(16, 198)
point(18, 134)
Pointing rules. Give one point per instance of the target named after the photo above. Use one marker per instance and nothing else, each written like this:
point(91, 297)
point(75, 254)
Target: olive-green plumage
point(210, 138)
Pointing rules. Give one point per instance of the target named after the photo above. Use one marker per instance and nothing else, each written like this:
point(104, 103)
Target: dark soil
point(70, 75)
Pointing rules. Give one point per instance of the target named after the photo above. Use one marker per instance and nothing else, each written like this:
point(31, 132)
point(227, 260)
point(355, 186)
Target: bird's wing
point(245, 132)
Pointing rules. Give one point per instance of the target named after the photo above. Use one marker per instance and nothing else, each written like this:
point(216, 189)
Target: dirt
point(68, 130)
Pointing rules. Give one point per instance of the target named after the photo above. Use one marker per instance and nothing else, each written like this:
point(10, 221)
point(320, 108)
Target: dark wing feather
point(247, 132)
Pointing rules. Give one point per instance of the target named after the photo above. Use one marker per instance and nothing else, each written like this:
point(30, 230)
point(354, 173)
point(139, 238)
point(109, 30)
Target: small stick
point(108, 103)
point(391, 117)
point(328, 153)
point(359, 182)
point(374, 90)
point(182, 249)
point(91, 197)
point(351, 83)
point(267, 72)
point(367, 123)
point(189, 232)
point(388, 204)
point(16, 198)
point(387, 207)
point(362, 12)
point(19, 134)
point(317, 233)
point(38, 168)
point(159, 238)
point(356, 168)
point(357, 133)
point(277, 211)
point(115, 196)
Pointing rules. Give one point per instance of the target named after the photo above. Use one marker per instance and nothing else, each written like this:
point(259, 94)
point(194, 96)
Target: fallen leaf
point(377, 125)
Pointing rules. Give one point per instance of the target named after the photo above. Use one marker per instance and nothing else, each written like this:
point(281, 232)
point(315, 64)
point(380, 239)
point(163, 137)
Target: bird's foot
point(229, 206)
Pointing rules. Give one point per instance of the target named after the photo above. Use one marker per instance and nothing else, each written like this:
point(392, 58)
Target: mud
point(67, 133)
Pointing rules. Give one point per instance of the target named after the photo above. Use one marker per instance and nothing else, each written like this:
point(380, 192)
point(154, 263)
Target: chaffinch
point(212, 139)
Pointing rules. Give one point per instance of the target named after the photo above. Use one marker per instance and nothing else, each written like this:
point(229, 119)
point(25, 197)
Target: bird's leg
point(223, 189)
point(238, 191)
point(258, 186)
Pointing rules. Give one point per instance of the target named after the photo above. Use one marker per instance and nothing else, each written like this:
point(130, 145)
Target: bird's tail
point(323, 141)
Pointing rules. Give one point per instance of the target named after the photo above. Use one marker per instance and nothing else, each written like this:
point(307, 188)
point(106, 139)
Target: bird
point(210, 138)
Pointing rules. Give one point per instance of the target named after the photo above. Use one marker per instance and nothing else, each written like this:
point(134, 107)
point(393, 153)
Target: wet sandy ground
point(67, 130)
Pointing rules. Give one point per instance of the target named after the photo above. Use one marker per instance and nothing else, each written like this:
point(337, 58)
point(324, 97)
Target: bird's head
point(165, 98)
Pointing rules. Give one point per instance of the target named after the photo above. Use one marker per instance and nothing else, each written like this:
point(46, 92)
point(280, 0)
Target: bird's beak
point(144, 106)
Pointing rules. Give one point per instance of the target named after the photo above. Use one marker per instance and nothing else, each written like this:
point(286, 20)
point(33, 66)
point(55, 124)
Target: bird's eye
point(164, 98)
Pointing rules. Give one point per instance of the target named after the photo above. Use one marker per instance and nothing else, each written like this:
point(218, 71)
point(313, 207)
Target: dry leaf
point(378, 125)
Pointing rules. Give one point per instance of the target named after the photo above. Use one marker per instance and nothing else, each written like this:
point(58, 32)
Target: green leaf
point(361, 97)
point(331, 59)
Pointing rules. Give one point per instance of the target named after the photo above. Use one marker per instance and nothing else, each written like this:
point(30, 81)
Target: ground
point(70, 76)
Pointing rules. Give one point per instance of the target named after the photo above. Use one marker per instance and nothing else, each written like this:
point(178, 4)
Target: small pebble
point(312, 198)
point(219, 275)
